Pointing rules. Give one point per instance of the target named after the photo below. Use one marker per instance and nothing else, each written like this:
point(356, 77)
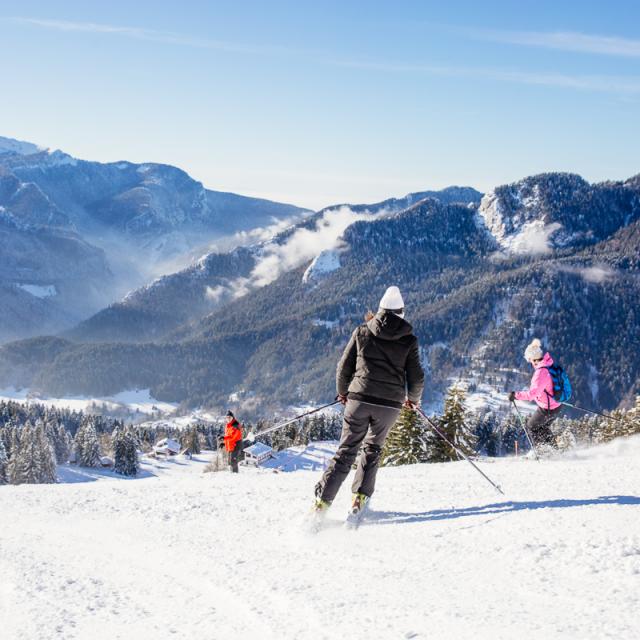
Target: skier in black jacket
point(379, 372)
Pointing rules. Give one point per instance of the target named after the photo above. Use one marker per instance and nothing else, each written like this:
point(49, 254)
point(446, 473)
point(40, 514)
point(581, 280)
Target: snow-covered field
point(137, 401)
point(182, 554)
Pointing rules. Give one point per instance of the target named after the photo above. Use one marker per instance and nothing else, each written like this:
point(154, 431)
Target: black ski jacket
point(381, 363)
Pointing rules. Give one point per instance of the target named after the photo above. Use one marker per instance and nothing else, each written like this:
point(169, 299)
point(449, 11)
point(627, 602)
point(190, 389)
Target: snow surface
point(327, 324)
point(182, 554)
point(39, 291)
point(324, 263)
point(137, 400)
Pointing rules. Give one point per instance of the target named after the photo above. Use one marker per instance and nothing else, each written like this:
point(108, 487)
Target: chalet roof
point(258, 449)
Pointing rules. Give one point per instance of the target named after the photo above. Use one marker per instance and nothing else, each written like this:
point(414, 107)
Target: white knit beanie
point(533, 351)
point(392, 301)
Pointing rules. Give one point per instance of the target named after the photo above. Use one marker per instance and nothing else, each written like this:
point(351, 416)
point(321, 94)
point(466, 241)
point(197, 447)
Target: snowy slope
point(182, 554)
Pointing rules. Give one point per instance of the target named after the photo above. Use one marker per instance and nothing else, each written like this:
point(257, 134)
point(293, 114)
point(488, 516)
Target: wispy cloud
point(595, 273)
point(150, 35)
point(605, 83)
point(304, 244)
point(564, 41)
point(557, 40)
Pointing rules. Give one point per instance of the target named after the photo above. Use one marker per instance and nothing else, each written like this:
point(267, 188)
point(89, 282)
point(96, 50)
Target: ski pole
point(457, 450)
point(595, 413)
point(524, 427)
point(288, 422)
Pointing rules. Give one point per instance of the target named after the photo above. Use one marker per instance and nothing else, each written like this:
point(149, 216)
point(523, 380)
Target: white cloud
point(598, 274)
point(301, 247)
point(599, 83)
point(534, 238)
point(304, 245)
point(150, 35)
point(564, 41)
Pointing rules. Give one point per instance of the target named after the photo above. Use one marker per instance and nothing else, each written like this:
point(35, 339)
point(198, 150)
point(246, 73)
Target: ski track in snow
point(182, 554)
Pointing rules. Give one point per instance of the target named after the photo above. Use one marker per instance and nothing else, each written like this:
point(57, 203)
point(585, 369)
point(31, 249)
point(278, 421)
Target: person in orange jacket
point(233, 441)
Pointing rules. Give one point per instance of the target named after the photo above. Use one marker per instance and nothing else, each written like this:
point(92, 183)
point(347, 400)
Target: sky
point(329, 102)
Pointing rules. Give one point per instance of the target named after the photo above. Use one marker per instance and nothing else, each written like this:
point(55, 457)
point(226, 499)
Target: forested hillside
point(474, 300)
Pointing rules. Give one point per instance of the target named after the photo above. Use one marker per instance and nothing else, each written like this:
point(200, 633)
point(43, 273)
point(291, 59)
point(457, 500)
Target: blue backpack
point(561, 383)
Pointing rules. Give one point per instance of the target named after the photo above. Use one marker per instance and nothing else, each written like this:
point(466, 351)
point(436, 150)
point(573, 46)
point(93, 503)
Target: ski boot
point(318, 514)
point(357, 511)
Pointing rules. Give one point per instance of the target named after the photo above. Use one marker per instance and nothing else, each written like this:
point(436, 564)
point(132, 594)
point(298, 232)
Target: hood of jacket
point(547, 361)
point(388, 326)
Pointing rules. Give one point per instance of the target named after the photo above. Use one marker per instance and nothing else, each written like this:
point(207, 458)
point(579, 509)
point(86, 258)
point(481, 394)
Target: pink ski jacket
point(541, 385)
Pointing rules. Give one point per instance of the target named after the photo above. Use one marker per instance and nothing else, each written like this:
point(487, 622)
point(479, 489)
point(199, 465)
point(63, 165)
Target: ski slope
point(182, 554)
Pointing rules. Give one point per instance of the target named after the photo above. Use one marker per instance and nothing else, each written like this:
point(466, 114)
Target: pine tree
point(47, 459)
point(453, 425)
point(126, 452)
point(119, 451)
point(487, 437)
point(633, 417)
point(62, 444)
point(14, 440)
point(407, 442)
point(5, 436)
point(193, 440)
point(4, 462)
point(511, 432)
point(24, 467)
point(87, 446)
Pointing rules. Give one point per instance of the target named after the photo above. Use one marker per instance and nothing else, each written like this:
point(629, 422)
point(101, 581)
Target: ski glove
point(512, 396)
point(341, 399)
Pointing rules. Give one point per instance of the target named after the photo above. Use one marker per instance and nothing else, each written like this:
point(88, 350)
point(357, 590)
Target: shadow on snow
point(398, 517)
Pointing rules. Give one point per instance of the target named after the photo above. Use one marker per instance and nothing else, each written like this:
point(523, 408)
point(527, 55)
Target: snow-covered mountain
point(142, 201)
point(220, 278)
point(557, 210)
point(9, 145)
point(274, 335)
point(96, 230)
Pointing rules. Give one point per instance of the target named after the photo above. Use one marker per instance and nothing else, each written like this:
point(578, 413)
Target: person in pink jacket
point(540, 392)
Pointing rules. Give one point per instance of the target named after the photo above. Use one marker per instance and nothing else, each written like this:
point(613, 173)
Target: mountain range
point(76, 235)
point(262, 326)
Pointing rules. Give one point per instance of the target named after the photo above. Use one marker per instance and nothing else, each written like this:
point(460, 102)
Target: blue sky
point(327, 102)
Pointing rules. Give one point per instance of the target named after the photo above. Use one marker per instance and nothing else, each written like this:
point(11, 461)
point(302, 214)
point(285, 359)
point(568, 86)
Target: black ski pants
point(363, 424)
point(539, 424)
point(234, 457)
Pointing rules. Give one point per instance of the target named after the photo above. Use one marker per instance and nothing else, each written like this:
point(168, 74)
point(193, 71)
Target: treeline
point(312, 429)
point(35, 438)
point(489, 434)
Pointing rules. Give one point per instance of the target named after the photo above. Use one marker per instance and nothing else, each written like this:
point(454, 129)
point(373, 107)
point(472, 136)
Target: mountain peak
point(18, 147)
point(557, 210)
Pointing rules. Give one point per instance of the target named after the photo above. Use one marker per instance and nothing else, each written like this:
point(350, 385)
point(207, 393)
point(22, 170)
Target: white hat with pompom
point(533, 351)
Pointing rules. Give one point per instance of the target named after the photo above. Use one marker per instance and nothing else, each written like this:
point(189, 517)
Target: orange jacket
point(232, 434)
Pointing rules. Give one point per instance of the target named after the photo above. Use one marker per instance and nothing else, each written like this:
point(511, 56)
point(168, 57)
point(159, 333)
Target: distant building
point(257, 453)
point(167, 447)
